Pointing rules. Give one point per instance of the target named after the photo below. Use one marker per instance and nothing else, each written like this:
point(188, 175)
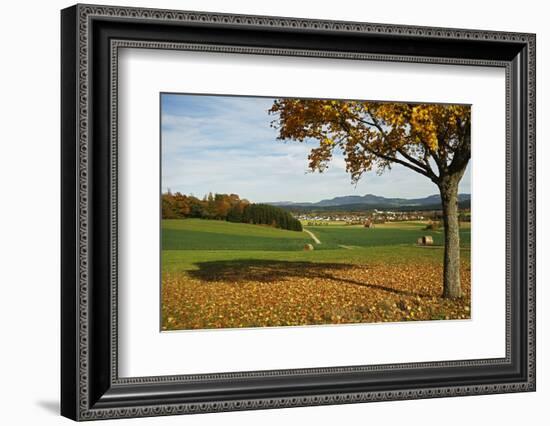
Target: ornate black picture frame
point(91, 388)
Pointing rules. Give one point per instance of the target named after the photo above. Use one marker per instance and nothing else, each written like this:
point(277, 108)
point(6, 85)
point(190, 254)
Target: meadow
point(217, 274)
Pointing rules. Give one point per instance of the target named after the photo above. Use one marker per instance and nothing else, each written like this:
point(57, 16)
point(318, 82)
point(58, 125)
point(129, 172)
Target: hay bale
point(308, 247)
point(427, 240)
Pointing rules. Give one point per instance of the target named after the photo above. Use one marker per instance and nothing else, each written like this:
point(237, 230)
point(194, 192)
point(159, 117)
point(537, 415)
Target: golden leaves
point(326, 294)
point(423, 123)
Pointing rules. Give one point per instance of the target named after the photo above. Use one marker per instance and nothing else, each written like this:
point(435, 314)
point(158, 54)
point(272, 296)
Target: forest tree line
point(229, 207)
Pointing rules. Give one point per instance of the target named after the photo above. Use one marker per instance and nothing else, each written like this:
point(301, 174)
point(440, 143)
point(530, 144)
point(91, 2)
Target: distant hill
point(371, 201)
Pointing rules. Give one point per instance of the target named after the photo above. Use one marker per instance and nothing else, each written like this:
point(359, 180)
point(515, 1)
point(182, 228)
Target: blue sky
point(225, 144)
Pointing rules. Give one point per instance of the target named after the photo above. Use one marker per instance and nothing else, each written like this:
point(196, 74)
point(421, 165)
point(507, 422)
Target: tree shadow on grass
point(270, 271)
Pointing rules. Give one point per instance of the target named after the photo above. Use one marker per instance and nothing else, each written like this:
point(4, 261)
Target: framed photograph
point(263, 212)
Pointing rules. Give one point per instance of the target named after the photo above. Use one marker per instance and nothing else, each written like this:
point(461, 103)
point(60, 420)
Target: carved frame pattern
point(85, 14)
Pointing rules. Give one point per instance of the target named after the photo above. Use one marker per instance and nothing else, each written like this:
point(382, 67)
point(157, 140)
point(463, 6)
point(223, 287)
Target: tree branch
point(425, 167)
point(462, 153)
point(386, 157)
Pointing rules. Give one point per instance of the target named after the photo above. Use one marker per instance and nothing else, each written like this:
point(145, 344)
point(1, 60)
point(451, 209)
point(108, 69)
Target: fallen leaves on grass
point(236, 294)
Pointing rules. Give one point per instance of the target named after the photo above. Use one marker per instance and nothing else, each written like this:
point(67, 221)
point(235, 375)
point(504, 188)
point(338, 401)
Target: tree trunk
point(451, 266)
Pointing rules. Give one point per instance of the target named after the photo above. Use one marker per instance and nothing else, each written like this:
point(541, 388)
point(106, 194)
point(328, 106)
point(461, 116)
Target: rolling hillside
point(370, 202)
point(199, 234)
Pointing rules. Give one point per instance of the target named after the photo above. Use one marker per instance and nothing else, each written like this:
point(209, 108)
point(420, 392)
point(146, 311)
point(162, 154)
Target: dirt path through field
point(313, 237)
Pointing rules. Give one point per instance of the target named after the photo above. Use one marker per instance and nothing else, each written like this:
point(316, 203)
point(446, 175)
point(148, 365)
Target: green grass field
point(392, 234)
point(217, 274)
point(187, 242)
point(199, 234)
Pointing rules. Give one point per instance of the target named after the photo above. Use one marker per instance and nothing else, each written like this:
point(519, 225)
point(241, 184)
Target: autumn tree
point(432, 140)
point(222, 205)
point(227, 207)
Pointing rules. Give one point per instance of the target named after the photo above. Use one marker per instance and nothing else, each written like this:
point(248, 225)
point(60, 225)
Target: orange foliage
point(272, 294)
